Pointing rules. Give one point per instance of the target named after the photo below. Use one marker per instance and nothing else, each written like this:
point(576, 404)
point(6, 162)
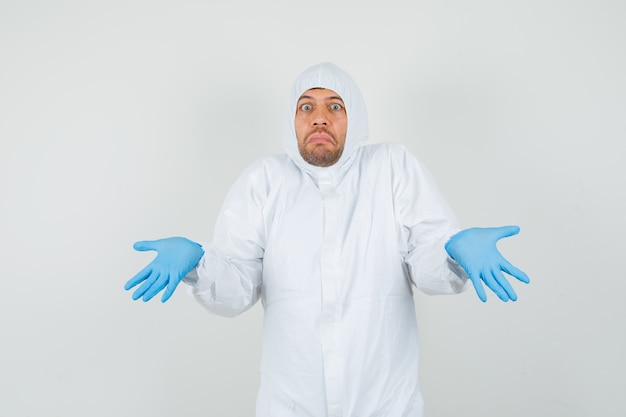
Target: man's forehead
point(320, 93)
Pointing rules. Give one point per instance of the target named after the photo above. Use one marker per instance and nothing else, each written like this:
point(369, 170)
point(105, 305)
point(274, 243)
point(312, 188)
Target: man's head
point(327, 120)
point(321, 124)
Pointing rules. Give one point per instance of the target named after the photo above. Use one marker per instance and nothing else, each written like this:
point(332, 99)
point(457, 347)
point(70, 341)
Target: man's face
point(321, 124)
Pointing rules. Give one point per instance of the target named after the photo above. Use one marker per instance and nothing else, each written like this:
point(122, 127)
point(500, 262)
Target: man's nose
point(320, 117)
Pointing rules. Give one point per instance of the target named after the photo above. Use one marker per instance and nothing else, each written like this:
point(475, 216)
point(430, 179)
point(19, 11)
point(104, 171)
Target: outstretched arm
point(475, 250)
point(226, 274)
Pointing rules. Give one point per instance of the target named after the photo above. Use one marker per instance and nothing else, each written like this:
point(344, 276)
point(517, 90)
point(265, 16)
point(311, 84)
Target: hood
point(329, 76)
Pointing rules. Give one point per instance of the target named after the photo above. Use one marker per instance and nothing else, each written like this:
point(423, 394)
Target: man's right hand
point(176, 256)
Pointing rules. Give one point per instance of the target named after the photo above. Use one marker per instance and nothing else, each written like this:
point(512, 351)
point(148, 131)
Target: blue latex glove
point(175, 258)
point(475, 250)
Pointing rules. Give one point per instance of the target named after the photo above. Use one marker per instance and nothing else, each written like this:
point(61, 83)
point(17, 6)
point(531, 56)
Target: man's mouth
point(320, 137)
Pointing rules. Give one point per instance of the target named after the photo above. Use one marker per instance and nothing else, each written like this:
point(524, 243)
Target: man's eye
point(335, 106)
point(306, 107)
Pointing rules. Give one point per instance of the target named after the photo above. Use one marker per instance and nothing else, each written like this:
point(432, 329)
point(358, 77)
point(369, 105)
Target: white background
point(128, 120)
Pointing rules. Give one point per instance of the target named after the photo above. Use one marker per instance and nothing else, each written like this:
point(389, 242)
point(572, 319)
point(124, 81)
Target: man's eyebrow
point(305, 97)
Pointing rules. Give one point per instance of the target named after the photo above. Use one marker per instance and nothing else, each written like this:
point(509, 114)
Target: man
point(331, 237)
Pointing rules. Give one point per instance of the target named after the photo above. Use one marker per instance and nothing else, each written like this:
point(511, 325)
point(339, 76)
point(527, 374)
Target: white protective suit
point(332, 253)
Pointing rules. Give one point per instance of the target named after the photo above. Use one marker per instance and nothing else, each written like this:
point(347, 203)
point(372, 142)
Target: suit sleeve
point(426, 223)
point(228, 278)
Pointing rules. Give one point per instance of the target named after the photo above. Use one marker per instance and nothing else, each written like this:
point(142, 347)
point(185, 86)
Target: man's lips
point(320, 138)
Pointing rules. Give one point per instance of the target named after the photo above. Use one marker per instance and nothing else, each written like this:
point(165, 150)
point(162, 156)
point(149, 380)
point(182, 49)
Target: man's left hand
point(475, 250)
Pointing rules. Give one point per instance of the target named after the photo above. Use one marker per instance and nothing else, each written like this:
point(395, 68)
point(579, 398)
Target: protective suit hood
point(329, 76)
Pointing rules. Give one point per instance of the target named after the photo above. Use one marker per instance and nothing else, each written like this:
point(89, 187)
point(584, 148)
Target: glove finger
point(139, 277)
point(144, 245)
point(506, 231)
point(146, 285)
point(514, 271)
point(478, 286)
point(490, 281)
point(504, 284)
point(171, 287)
point(155, 288)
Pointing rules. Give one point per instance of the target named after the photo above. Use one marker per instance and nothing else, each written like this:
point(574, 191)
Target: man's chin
point(321, 157)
